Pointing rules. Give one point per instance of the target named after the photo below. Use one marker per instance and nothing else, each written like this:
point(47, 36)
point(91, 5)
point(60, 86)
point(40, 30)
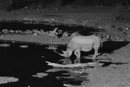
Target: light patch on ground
point(4, 80)
point(109, 77)
point(4, 45)
point(40, 75)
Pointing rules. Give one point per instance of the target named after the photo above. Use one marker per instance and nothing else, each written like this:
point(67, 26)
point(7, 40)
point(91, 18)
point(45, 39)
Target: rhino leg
point(77, 60)
point(95, 54)
point(78, 54)
point(96, 47)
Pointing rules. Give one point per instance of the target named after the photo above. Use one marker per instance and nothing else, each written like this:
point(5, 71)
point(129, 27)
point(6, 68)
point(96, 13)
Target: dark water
point(23, 62)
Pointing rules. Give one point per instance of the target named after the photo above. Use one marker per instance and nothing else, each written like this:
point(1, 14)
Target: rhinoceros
point(82, 43)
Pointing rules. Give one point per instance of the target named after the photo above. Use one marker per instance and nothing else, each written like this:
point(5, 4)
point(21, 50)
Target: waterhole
point(27, 60)
point(28, 63)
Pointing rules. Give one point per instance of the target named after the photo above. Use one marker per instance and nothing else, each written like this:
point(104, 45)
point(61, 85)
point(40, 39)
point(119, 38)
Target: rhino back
point(73, 45)
point(82, 39)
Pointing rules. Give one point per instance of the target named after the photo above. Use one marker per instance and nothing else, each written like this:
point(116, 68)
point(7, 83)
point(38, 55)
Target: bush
point(122, 13)
point(4, 4)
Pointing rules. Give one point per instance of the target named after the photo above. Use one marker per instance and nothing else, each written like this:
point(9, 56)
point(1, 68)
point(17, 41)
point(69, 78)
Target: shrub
point(122, 13)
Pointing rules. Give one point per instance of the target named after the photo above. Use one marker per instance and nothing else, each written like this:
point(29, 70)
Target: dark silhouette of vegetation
point(9, 5)
point(122, 13)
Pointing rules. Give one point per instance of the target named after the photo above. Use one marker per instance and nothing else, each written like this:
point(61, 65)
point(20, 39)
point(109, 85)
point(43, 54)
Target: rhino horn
point(64, 53)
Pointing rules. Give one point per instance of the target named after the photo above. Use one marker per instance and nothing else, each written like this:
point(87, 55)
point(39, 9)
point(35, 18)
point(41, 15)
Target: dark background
point(17, 4)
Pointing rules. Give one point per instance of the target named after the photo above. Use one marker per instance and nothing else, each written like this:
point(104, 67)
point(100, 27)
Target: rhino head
point(66, 53)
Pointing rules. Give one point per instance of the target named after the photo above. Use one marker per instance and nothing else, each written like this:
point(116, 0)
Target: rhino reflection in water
point(82, 43)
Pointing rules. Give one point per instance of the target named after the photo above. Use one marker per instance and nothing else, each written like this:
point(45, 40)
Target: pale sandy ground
point(99, 17)
point(6, 79)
